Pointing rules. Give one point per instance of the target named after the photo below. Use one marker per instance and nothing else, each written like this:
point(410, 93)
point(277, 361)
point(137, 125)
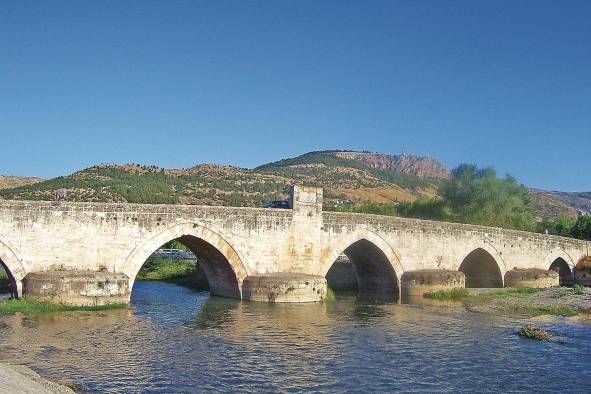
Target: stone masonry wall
point(41, 236)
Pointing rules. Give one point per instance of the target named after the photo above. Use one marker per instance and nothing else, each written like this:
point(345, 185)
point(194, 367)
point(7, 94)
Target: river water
point(175, 340)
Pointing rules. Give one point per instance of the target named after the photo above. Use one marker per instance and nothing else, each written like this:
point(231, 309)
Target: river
point(173, 339)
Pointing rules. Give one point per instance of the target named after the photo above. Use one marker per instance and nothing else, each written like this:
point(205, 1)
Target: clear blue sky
point(174, 83)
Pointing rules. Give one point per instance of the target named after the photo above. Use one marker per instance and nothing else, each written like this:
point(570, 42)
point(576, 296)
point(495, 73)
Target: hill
point(347, 177)
point(344, 180)
point(8, 182)
point(553, 203)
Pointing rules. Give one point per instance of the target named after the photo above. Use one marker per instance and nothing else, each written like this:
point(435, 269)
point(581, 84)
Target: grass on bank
point(26, 306)
point(455, 294)
point(181, 272)
point(518, 305)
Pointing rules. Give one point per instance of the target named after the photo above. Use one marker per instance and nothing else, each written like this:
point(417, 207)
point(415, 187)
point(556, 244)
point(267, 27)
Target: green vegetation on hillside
point(472, 195)
point(150, 185)
point(316, 165)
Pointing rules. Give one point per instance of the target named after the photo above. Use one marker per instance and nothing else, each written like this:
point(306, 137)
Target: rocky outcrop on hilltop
point(421, 166)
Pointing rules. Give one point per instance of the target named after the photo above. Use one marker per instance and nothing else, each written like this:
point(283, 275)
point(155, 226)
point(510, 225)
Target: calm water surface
point(175, 340)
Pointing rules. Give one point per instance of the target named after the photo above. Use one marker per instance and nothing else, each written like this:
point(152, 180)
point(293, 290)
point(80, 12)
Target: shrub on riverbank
point(23, 305)
point(181, 272)
point(451, 294)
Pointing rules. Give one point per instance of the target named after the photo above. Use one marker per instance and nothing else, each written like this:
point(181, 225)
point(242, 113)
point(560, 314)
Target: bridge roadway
point(92, 252)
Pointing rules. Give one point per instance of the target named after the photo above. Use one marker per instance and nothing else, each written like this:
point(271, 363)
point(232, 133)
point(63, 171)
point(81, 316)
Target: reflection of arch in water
point(220, 263)
point(481, 269)
point(216, 312)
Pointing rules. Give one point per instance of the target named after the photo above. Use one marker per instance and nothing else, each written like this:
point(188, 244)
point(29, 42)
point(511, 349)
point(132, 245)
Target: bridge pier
point(284, 287)
point(79, 288)
point(531, 277)
point(417, 283)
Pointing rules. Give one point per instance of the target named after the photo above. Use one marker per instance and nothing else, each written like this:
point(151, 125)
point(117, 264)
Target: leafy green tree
point(476, 195)
point(424, 208)
point(560, 226)
point(582, 227)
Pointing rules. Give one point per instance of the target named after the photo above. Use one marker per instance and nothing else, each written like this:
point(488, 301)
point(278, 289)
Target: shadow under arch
point(562, 263)
point(566, 276)
point(220, 262)
point(376, 265)
point(13, 267)
point(482, 269)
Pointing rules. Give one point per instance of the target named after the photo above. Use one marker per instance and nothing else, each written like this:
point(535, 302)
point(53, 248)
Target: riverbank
point(181, 272)
point(26, 306)
point(22, 379)
point(521, 301)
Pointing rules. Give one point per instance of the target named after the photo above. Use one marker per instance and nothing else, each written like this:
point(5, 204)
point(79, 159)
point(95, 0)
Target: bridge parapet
point(342, 221)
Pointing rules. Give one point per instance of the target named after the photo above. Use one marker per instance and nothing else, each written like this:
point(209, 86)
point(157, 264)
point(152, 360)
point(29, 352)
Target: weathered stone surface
point(417, 283)
point(531, 277)
point(21, 379)
point(233, 243)
point(583, 272)
point(284, 287)
point(77, 287)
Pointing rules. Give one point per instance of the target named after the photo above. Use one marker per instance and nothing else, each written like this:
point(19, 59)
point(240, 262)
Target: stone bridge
point(91, 252)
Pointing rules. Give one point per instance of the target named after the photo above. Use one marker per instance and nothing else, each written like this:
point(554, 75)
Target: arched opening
point(341, 277)
point(7, 282)
point(481, 270)
point(566, 277)
point(364, 268)
point(193, 262)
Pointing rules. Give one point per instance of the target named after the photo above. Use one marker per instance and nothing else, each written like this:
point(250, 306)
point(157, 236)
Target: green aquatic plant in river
point(533, 332)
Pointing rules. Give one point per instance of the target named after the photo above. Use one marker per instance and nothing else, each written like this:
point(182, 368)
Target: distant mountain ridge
point(9, 181)
point(346, 176)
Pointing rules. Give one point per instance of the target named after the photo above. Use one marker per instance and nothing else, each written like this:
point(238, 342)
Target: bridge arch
point(376, 265)
point(563, 264)
point(221, 264)
point(13, 266)
point(483, 266)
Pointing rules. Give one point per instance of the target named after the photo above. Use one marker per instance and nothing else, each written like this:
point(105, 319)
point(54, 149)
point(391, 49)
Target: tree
point(424, 208)
point(478, 196)
point(562, 226)
point(582, 227)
